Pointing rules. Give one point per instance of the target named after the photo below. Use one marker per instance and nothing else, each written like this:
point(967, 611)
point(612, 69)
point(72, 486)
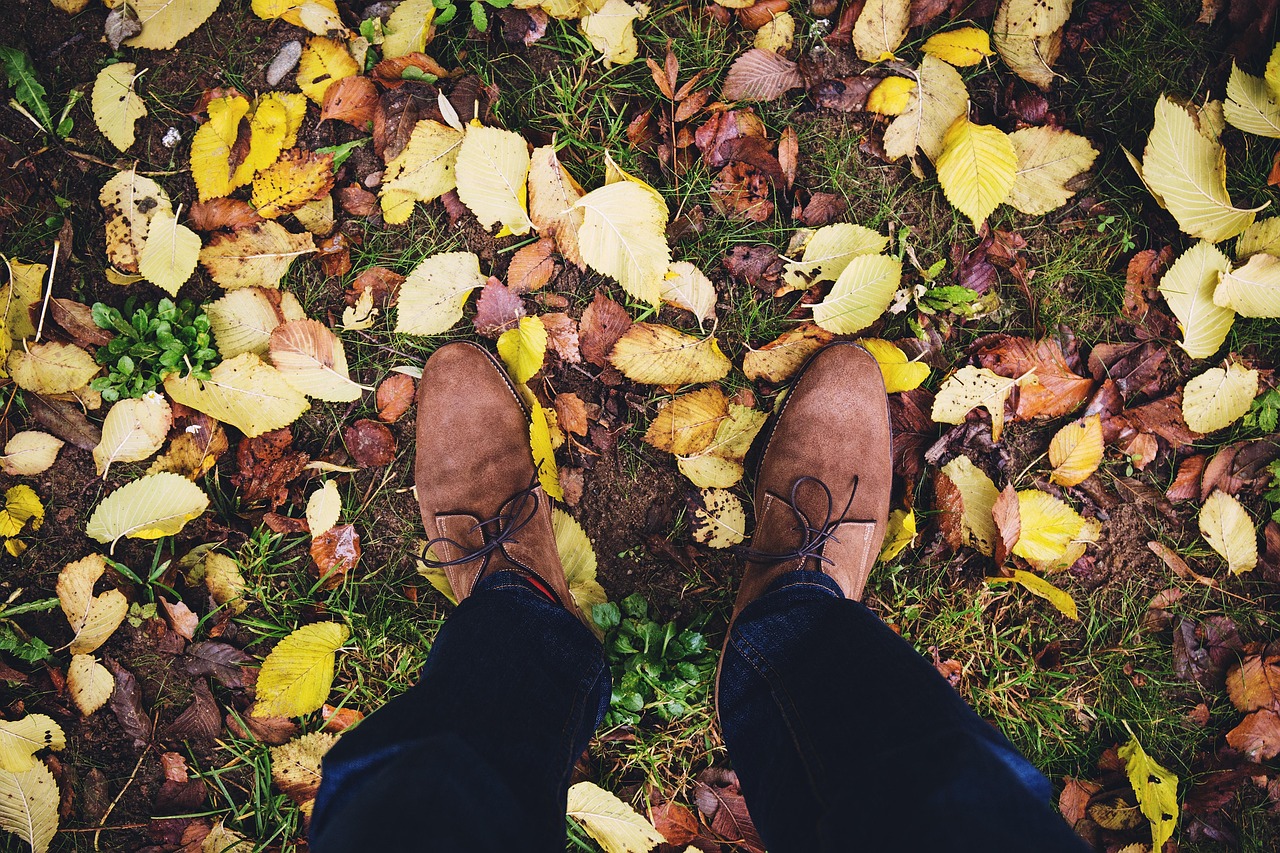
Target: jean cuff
point(507, 580)
point(818, 581)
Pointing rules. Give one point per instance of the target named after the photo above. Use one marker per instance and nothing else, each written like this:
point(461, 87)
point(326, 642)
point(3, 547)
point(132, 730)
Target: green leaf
point(342, 152)
point(26, 88)
point(478, 19)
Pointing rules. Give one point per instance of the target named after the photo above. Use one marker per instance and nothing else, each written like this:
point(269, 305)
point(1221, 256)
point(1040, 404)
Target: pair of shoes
point(822, 487)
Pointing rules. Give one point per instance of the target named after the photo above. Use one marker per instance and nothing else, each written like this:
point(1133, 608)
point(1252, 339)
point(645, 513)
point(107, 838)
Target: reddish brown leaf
point(914, 431)
point(603, 322)
point(269, 730)
point(1008, 522)
point(357, 200)
point(393, 122)
point(741, 191)
point(821, 209)
point(395, 397)
point(572, 483)
point(846, 94)
point(759, 266)
point(1075, 798)
point(1138, 368)
point(352, 100)
point(222, 213)
point(949, 504)
point(221, 661)
point(390, 72)
point(562, 337)
point(1141, 278)
point(572, 413)
point(335, 552)
point(1162, 418)
point(719, 798)
point(337, 719)
point(922, 12)
point(126, 704)
point(335, 255)
point(384, 283)
point(497, 309)
point(370, 443)
point(1186, 483)
point(200, 720)
point(266, 465)
point(763, 11)
point(1257, 735)
point(1058, 391)
point(722, 128)
point(842, 34)
point(532, 266)
point(1203, 650)
point(76, 319)
point(183, 621)
point(278, 523)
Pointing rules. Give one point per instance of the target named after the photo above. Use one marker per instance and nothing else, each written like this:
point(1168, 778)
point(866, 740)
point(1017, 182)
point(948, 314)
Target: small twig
point(109, 828)
point(110, 808)
point(80, 155)
point(48, 291)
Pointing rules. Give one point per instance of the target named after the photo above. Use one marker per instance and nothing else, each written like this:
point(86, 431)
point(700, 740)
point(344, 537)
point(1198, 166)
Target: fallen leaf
point(687, 287)
point(609, 29)
point(295, 766)
point(939, 99)
point(245, 392)
point(1049, 158)
point(221, 661)
point(492, 167)
point(150, 507)
point(623, 235)
point(1188, 287)
point(201, 720)
point(719, 799)
point(323, 508)
point(532, 267)
point(719, 520)
point(133, 430)
point(31, 806)
point(860, 294)
point(431, 298)
point(1041, 587)
point(544, 455)
point(969, 388)
point(1227, 527)
point(51, 368)
point(1056, 390)
point(977, 168)
point(827, 252)
point(335, 552)
point(524, 349)
point(21, 739)
point(1028, 37)
point(552, 195)
point(1076, 451)
point(296, 676)
point(719, 464)
point(961, 47)
point(616, 826)
point(687, 424)
point(310, 357)
point(181, 618)
point(965, 497)
point(571, 413)
point(760, 75)
point(659, 355)
point(498, 309)
point(1156, 789)
point(167, 22)
point(395, 396)
point(899, 374)
point(1049, 527)
point(287, 184)
point(351, 100)
point(891, 96)
point(29, 453)
point(254, 256)
point(116, 107)
point(1252, 290)
point(225, 583)
point(324, 62)
point(1218, 398)
point(424, 170)
point(222, 214)
point(899, 534)
point(778, 360)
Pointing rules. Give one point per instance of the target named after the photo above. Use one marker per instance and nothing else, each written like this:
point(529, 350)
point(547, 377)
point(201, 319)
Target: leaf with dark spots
point(846, 94)
point(334, 553)
point(395, 396)
point(394, 118)
point(721, 129)
point(603, 322)
point(562, 337)
point(219, 660)
point(266, 465)
point(370, 443)
point(741, 191)
point(126, 704)
point(201, 720)
point(497, 310)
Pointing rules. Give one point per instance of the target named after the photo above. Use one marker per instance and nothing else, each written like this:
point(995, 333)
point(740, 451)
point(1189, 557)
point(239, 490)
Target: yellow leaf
point(25, 288)
point(719, 519)
point(29, 805)
point(827, 252)
point(1048, 158)
point(296, 178)
point(1218, 398)
point(552, 195)
point(152, 507)
point(295, 767)
point(778, 34)
point(268, 127)
point(1225, 524)
point(436, 576)
point(524, 348)
point(51, 368)
point(778, 360)
point(28, 453)
point(90, 683)
point(362, 315)
point(223, 840)
point(1188, 286)
point(492, 170)
point(296, 676)
point(133, 430)
point(544, 454)
point(616, 826)
point(245, 392)
point(432, 297)
point(170, 254)
point(242, 321)
point(939, 98)
point(311, 359)
point(93, 619)
point(1037, 585)
point(653, 354)
point(116, 107)
point(579, 561)
point(1184, 164)
point(1156, 789)
point(609, 29)
point(21, 739)
point(977, 496)
point(891, 96)
point(1048, 527)
point(1250, 105)
point(167, 22)
point(860, 295)
point(1262, 236)
point(295, 110)
point(130, 201)
point(258, 256)
point(225, 583)
point(687, 287)
point(881, 28)
point(211, 147)
point(719, 464)
point(323, 61)
point(977, 168)
point(1076, 451)
point(899, 374)
point(687, 424)
point(316, 215)
point(408, 29)
point(898, 534)
point(1028, 36)
point(962, 48)
point(423, 171)
point(623, 235)
point(1253, 290)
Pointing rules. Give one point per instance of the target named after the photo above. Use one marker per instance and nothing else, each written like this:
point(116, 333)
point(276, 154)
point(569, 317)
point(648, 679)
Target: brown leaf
point(370, 443)
point(219, 214)
point(603, 322)
point(1141, 279)
point(395, 396)
point(198, 443)
point(1008, 523)
point(759, 266)
point(181, 618)
point(1162, 418)
point(572, 484)
point(1255, 682)
point(741, 191)
point(1177, 565)
point(497, 310)
point(760, 75)
point(352, 100)
point(562, 337)
point(337, 719)
point(222, 661)
point(1075, 798)
point(523, 26)
point(532, 266)
point(1186, 483)
point(1058, 391)
point(846, 94)
point(269, 730)
point(65, 420)
point(335, 552)
point(76, 319)
point(719, 798)
point(384, 283)
point(390, 72)
point(922, 12)
point(126, 704)
point(676, 823)
point(914, 431)
point(721, 129)
point(278, 523)
point(334, 252)
point(1257, 735)
point(1203, 650)
point(572, 413)
point(394, 120)
point(201, 719)
point(821, 209)
point(1138, 368)
point(357, 200)
point(266, 465)
point(763, 11)
point(789, 154)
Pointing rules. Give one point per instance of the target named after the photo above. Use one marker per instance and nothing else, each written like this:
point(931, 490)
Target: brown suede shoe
point(478, 490)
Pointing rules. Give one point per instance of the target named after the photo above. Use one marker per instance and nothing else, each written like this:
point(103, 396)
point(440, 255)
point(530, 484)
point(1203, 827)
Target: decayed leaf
point(116, 107)
point(1188, 286)
point(273, 125)
point(29, 804)
point(1218, 398)
point(899, 374)
point(685, 286)
point(1049, 527)
point(1250, 105)
point(719, 519)
point(778, 360)
point(760, 75)
point(92, 618)
point(353, 100)
point(968, 388)
point(659, 355)
point(21, 739)
point(311, 359)
point(623, 235)
point(1252, 290)
point(245, 392)
point(29, 452)
point(719, 464)
point(940, 98)
point(966, 495)
point(544, 454)
point(133, 431)
point(1076, 451)
point(1037, 585)
point(524, 348)
point(26, 288)
point(170, 254)
point(293, 180)
point(316, 216)
point(552, 195)
point(532, 266)
point(323, 61)
point(1028, 36)
point(21, 506)
point(1156, 789)
point(579, 561)
point(880, 28)
point(962, 48)
point(827, 253)
point(296, 676)
point(492, 168)
point(408, 28)
point(977, 168)
point(609, 29)
point(1227, 527)
point(1048, 158)
point(432, 297)
point(258, 256)
point(89, 682)
point(212, 144)
point(323, 508)
point(891, 96)
point(243, 320)
point(51, 368)
point(154, 506)
point(423, 171)
point(1185, 167)
point(860, 295)
point(295, 766)
point(688, 423)
point(616, 826)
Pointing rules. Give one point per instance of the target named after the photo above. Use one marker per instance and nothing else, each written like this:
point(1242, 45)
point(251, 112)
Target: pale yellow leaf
point(51, 368)
point(685, 286)
point(89, 682)
point(653, 354)
point(977, 168)
point(977, 496)
point(939, 98)
point(623, 235)
point(899, 374)
point(719, 464)
point(362, 315)
point(719, 520)
point(1156, 789)
point(133, 430)
point(116, 107)
point(828, 251)
point(962, 48)
point(242, 321)
point(552, 195)
point(295, 766)
point(1218, 398)
point(432, 297)
point(860, 294)
point(891, 96)
point(167, 22)
point(686, 424)
point(898, 534)
point(1252, 290)
point(152, 507)
point(616, 826)
point(29, 805)
point(1250, 105)
point(223, 840)
point(317, 215)
point(1262, 236)
point(1188, 286)
point(28, 453)
point(211, 147)
point(311, 359)
point(544, 454)
point(778, 360)
point(170, 254)
point(492, 170)
point(258, 256)
point(224, 581)
point(1076, 451)
point(129, 200)
point(1049, 526)
point(1227, 527)
point(245, 392)
point(21, 739)
point(1037, 585)
point(609, 29)
point(1028, 36)
point(93, 619)
point(777, 34)
point(296, 676)
point(579, 561)
point(881, 28)
point(524, 348)
point(25, 288)
point(423, 171)
point(323, 61)
point(323, 508)
point(1048, 159)
point(408, 29)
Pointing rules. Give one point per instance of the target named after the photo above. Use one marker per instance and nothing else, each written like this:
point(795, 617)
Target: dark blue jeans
point(842, 736)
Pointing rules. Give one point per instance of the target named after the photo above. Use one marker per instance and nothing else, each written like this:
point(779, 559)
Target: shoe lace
point(814, 538)
point(497, 531)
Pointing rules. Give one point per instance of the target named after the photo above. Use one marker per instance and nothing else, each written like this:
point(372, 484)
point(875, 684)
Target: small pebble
point(373, 179)
point(286, 60)
point(171, 138)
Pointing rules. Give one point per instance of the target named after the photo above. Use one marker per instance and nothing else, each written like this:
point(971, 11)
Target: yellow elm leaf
point(827, 252)
point(1218, 398)
point(977, 168)
point(962, 48)
point(719, 519)
point(544, 455)
point(170, 255)
point(242, 321)
point(316, 215)
point(25, 288)
point(609, 29)
point(51, 368)
point(860, 295)
point(223, 580)
point(880, 29)
point(616, 826)
point(968, 388)
point(432, 297)
point(29, 805)
point(151, 507)
point(223, 840)
point(293, 180)
point(1250, 105)
point(1076, 451)
point(296, 676)
point(1262, 236)
point(899, 374)
point(295, 110)
point(1049, 526)
point(1185, 166)
point(1028, 36)
point(1156, 789)
point(130, 201)
point(90, 683)
point(133, 430)
point(977, 496)
point(290, 10)
point(899, 533)
point(116, 107)
point(552, 195)
point(1037, 585)
point(167, 22)
point(777, 35)
point(524, 348)
point(778, 360)
point(21, 739)
point(686, 424)
point(654, 354)
point(211, 147)
point(245, 392)
point(1048, 158)
point(719, 464)
point(21, 505)
point(1188, 286)
point(891, 96)
point(323, 61)
point(268, 127)
point(408, 29)
point(623, 235)
point(93, 619)
point(939, 98)
point(1252, 290)
point(28, 453)
point(492, 171)
point(423, 171)
point(257, 256)
point(1225, 524)
point(295, 767)
point(579, 561)
point(311, 359)
point(687, 287)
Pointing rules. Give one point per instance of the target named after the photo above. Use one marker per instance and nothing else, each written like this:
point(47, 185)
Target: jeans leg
point(478, 755)
point(844, 738)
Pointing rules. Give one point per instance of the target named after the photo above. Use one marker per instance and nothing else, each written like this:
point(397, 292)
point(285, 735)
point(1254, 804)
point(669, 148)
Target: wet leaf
point(370, 443)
